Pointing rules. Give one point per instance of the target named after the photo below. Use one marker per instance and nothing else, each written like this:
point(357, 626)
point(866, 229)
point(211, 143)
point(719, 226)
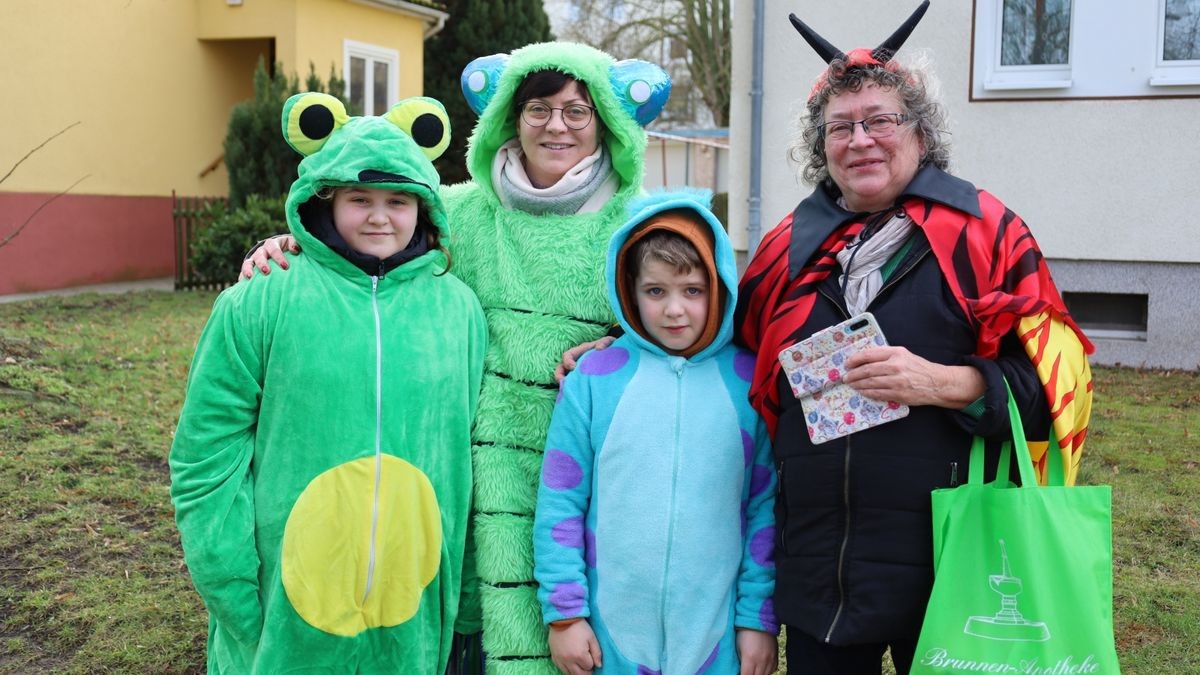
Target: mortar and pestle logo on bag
point(1007, 624)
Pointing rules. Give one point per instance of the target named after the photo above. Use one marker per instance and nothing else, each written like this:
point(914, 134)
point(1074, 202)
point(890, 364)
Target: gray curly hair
point(917, 89)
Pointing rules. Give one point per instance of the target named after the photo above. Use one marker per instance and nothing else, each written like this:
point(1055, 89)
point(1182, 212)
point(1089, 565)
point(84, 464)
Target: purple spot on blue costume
point(762, 546)
point(560, 471)
point(743, 365)
point(604, 361)
point(712, 658)
point(643, 670)
point(589, 548)
point(747, 447)
point(760, 478)
point(568, 598)
point(766, 614)
point(569, 532)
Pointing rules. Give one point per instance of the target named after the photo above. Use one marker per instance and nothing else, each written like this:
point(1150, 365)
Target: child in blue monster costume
point(653, 538)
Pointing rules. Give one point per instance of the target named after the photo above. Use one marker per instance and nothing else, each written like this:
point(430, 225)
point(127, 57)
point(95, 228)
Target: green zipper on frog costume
point(378, 437)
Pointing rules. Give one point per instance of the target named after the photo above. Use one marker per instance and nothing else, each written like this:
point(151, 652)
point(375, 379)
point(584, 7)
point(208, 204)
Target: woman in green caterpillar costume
point(321, 469)
point(555, 158)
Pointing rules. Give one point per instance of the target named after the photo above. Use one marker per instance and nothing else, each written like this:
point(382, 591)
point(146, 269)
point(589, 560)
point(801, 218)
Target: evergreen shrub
point(226, 234)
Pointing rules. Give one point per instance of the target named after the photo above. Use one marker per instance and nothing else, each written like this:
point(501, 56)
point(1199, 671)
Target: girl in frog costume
point(551, 183)
point(321, 469)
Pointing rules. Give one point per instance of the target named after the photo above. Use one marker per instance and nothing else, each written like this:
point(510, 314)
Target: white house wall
point(1095, 179)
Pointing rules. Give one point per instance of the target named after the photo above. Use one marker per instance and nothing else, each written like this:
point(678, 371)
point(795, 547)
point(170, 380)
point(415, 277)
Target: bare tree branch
point(10, 237)
point(22, 226)
point(39, 147)
point(632, 28)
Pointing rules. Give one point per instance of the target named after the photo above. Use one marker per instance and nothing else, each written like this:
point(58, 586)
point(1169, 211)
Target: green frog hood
point(394, 151)
point(627, 95)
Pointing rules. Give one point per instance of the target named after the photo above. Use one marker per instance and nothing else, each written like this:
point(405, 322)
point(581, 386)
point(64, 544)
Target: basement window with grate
point(1113, 316)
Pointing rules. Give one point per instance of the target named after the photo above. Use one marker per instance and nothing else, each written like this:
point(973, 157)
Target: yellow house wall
point(217, 20)
point(315, 31)
point(151, 99)
point(322, 26)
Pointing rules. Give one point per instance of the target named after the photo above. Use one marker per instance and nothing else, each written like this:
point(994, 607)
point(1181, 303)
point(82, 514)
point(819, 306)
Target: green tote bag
point(1022, 575)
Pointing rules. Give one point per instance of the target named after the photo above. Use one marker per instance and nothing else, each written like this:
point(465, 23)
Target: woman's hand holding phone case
point(814, 368)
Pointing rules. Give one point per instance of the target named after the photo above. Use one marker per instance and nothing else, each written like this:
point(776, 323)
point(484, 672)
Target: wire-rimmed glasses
point(576, 116)
point(880, 125)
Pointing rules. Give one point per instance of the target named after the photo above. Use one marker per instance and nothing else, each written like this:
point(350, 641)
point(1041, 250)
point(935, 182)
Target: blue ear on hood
point(480, 79)
point(641, 87)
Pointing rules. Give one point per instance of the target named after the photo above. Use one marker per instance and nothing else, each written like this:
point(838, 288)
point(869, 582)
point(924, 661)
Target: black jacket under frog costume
point(321, 469)
point(540, 279)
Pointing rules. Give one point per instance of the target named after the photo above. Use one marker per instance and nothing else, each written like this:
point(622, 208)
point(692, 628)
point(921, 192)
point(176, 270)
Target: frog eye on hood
point(480, 79)
point(641, 87)
point(426, 121)
point(309, 119)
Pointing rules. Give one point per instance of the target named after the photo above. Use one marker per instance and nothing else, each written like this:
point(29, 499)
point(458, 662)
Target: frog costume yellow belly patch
point(357, 553)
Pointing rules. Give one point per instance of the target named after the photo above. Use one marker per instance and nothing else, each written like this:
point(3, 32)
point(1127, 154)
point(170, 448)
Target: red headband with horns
point(861, 57)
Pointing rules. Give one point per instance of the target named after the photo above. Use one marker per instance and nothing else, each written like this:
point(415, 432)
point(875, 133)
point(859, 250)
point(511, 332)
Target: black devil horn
point(890, 46)
point(819, 44)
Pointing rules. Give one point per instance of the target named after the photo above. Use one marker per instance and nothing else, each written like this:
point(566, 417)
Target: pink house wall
point(84, 239)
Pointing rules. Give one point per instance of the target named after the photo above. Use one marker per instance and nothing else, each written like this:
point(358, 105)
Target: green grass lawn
point(92, 578)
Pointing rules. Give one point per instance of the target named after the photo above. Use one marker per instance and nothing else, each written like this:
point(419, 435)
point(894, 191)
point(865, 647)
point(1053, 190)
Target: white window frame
point(1171, 73)
point(1001, 78)
point(1115, 51)
point(372, 54)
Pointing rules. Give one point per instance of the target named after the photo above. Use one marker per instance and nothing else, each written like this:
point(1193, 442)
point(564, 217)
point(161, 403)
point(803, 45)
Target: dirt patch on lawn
point(20, 348)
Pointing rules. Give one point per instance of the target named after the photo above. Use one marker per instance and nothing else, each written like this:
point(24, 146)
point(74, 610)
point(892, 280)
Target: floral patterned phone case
point(814, 368)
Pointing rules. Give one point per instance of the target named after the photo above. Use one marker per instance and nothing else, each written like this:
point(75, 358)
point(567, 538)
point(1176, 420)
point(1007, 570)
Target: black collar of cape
point(819, 215)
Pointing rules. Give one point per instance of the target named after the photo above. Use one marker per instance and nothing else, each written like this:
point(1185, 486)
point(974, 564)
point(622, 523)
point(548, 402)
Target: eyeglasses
point(875, 126)
point(576, 116)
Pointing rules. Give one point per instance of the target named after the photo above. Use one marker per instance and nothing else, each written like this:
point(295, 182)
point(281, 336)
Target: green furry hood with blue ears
point(627, 94)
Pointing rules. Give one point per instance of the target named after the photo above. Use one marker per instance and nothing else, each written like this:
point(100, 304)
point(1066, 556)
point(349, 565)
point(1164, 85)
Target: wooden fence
point(188, 221)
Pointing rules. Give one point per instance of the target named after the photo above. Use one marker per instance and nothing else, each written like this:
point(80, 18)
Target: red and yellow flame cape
point(994, 269)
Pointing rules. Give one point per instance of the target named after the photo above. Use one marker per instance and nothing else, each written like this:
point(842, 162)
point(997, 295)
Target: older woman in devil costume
point(956, 282)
